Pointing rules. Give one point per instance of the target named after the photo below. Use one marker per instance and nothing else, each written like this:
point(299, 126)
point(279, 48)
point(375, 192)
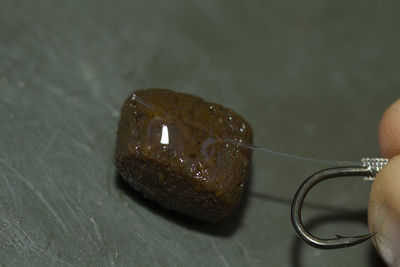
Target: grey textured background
point(312, 77)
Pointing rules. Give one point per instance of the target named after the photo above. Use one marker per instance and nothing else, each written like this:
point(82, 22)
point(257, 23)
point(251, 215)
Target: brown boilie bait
point(184, 152)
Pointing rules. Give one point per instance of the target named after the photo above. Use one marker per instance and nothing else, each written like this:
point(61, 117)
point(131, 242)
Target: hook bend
point(364, 169)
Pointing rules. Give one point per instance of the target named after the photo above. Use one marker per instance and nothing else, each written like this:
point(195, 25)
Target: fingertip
point(387, 184)
point(384, 212)
point(389, 131)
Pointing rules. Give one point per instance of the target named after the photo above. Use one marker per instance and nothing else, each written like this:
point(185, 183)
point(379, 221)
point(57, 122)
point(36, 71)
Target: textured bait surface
point(184, 152)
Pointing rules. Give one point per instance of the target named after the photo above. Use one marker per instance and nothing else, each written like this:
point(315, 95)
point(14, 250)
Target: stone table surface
point(311, 77)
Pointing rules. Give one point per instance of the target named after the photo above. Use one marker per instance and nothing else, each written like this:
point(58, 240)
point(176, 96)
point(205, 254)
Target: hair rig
point(368, 168)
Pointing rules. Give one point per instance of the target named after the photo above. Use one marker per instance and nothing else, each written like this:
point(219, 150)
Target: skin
point(384, 199)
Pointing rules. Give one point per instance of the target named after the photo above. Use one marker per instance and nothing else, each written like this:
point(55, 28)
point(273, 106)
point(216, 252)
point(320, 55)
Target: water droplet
point(242, 128)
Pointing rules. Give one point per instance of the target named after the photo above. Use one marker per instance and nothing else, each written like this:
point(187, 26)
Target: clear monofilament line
point(266, 150)
point(296, 157)
point(141, 101)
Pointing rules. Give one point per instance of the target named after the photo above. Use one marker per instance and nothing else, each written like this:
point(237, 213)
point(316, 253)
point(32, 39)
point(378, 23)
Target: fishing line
point(263, 149)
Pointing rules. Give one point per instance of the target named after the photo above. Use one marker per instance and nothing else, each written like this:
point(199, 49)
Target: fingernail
point(387, 237)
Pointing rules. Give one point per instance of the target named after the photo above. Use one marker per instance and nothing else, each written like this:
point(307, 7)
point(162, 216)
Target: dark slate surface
point(312, 77)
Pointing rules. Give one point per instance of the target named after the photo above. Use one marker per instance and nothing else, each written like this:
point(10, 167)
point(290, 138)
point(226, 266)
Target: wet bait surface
point(183, 152)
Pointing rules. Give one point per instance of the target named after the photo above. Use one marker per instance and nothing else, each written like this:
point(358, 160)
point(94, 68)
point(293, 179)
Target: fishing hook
point(368, 167)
